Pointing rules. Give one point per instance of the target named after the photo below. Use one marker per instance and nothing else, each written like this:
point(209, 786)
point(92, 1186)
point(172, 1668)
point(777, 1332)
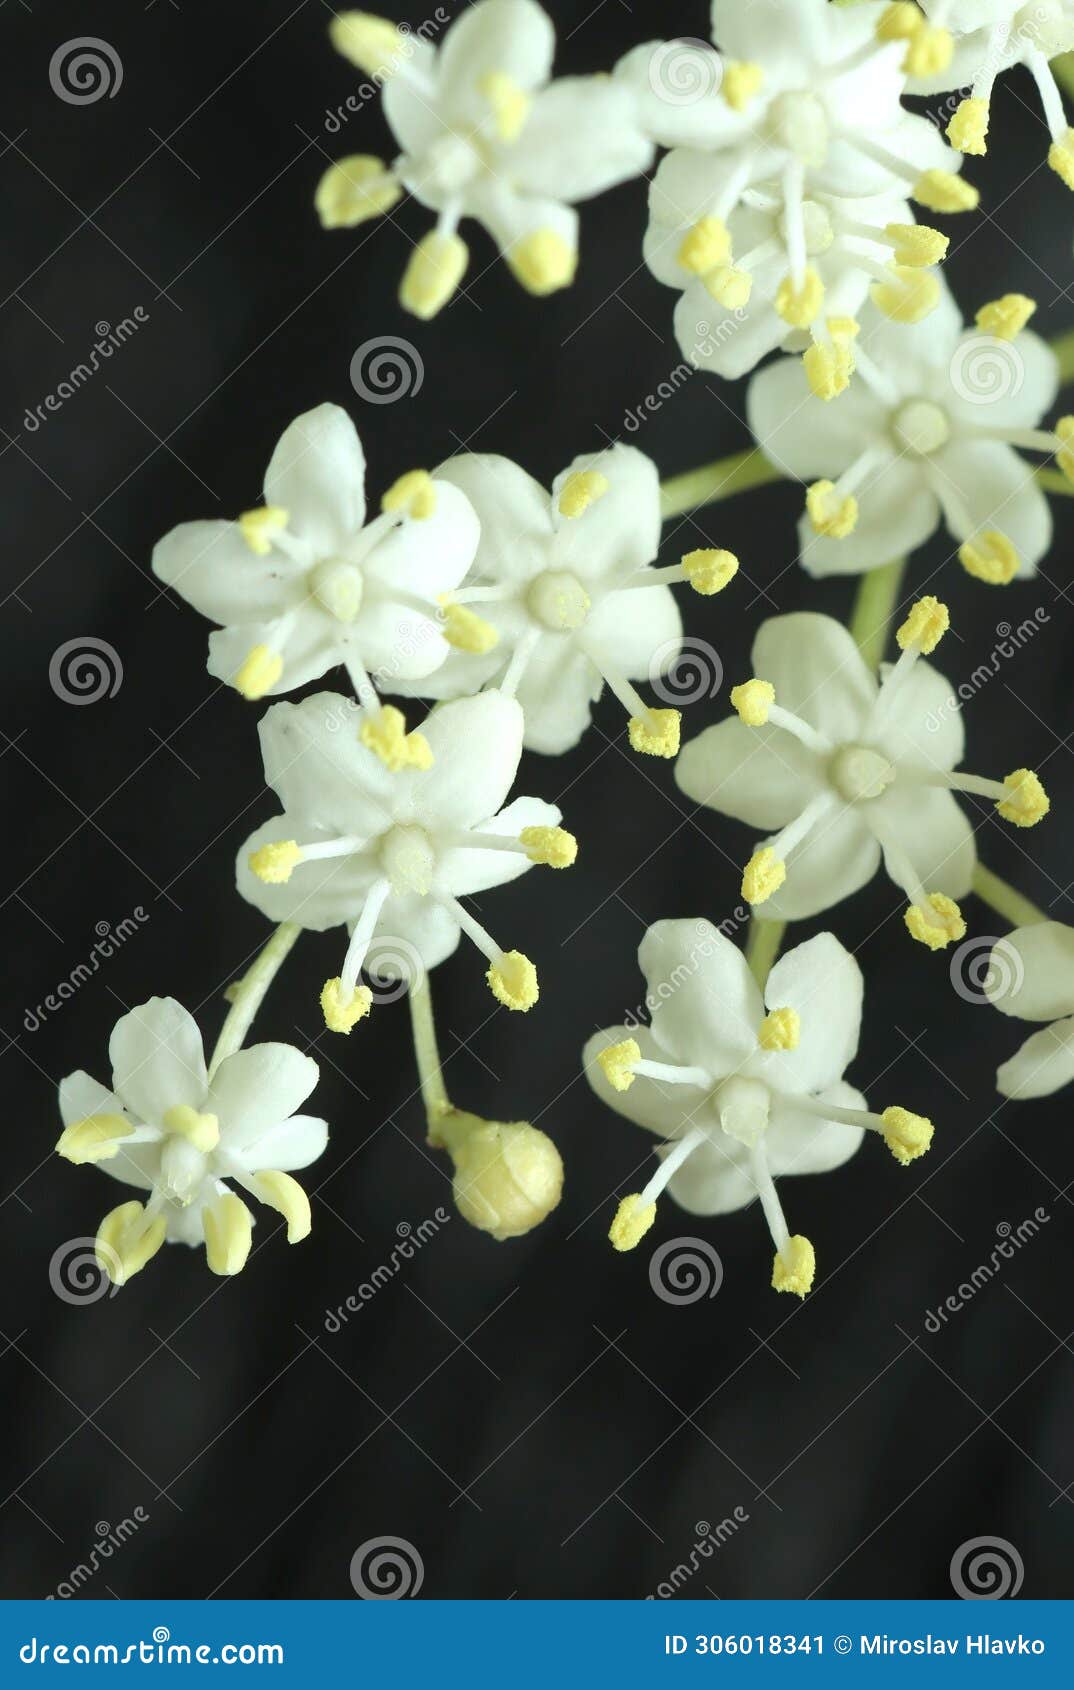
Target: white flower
point(928, 435)
point(563, 582)
point(785, 196)
point(849, 772)
point(484, 134)
point(181, 1134)
point(743, 1088)
point(993, 36)
point(304, 583)
point(389, 854)
point(1031, 976)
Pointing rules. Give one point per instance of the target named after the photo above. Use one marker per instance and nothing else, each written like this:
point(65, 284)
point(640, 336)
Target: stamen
point(385, 734)
point(260, 527)
point(413, 494)
point(202, 1131)
point(632, 1221)
point(920, 634)
point(917, 247)
point(935, 921)
point(705, 247)
point(968, 129)
point(944, 192)
point(1026, 802)
point(909, 296)
point(801, 305)
point(617, 1063)
point(229, 1229)
point(763, 875)
point(654, 733)
point(353, 190)
point(1050, 98)
point(342, 1013)
point(829, 364)
point(127, 1238)
point(581, 490)
point(373, 44)
point(258, 673)
point(755, 702)
point(511, 976)
point(552, 846)
point(466, 631)
point(543, 262)
point(1005, 318)
point(94, 1139)
point(362, 937)
point(906, 1135)
point(276, 862)
point(510, 103)
point(795, 1267)
point(709, 570)
point(742, 80)
point(520, 657)
point(781, 1029)
point(287, 1197)
point(990, 557)
point(434, 270)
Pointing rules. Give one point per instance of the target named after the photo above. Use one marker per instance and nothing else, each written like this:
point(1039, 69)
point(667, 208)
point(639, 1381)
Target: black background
point(531, 1417)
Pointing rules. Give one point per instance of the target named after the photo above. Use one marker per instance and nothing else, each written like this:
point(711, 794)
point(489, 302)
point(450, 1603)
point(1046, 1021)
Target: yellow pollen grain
point(258, 672)
point(385, 735)
point(781, 1029)
point(946, 923)
point(753, 700)
point(581, 490)
point(94, 1139)
point(794, 1268)
point(510, 103)
point(288, 1198)
point(656, 734)
point(617, 1063)
point(259, 527)
point(276, 862)
point(925, 626)
point(543, 262)
point(968, 129)
point(1061, 158)
point(353, 190)
point(464, 630)
point(1006, 318)
point(705, 246)
point(414, 494)
point(1027, 802)
point(742, 81)
point(228, 1227)
point(801, 306)
point(633, 1218)
point(202, 1131)
point(916, 245)
point(341, 1014)
point(835, 518)
point(990, 557)
point(943, 191)
point(553, 847)
point(907, 1136)
point(709, 570)
point(434, 270)
point(513, 981)
point(764, 874)
point(373, 44)
point(909, 296)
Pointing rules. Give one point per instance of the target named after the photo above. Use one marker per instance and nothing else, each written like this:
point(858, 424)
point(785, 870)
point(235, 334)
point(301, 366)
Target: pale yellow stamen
point(543, 262)
point(1061, 158)
point(513, 981)
point(829, 368)
point(285, 1195)
point(276, 862)
point(794, 1267)
point(229, 1228)
point(258, 672)
point(633, 1218)
point(260, 527)
point(729, 287)
point(781, 1029)
point(554, 847)
point(1027, 803)
point(899, 22)
point(709, 570)
point(353, 190)
point(125, 1243)
point(580, 490)
point(1064, 457)
point(929, 52)
point(373, 44)
point(656, 734)
point(753, 700)
point(617, 1062)
point(742, 81)
point(990, 557)
point(764, 874)
point(917, 246)
point(464, 630)
point(202, 1131)
point(800, 306)
point(510, 103)
point(434, 270)
point(386, 735)
point(938, 930)
point(909, 296)
point(340, 1013)
point(414, 494)
point(968, 129)
point(925, 626)
point(943, 191)
point(706, 246)
point(907, 1136)
point(94, 1139)
point(834, 517)
point(1006, 318)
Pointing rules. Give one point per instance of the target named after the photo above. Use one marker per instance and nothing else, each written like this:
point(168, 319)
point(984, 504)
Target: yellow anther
point(729, 287)
point(353, 190)
point(617, 1062)
point(510, 103)
point(580, 490)
point(705, 246)
point(656, 734)
point(288, 1198)
point(968, 129)
point(633, 1218)
point(260, 527)
point(781, 1029)
point(800, 306)
point(276, 862)
point(513, 981)
point(371, 43)
point(341, 1014)
point(828, 369)
point(553, 847)
point(126, 1241)
point(940, 927)
point(764, 874)
point(907, 1136)
point(742, 81)
point(1061, 158)
point(259, 672)
point(95, 1139)
point(916, 245)
point(929, 52)
point(925, 626)
point(709, 570)
point(753, 700)
point(1027, 802)
point(1064, 457)
point(990, 557)
point(830, 515)
point(900, 22)
point(229, 1228)
point(466, 631)
point(943, 191)
point(794, 1267)
point(414, 494)
point(385, 734)
point(202, 1131)
point(543, 262)
point(434, 270)
point(909, 296)
point(1006, 318)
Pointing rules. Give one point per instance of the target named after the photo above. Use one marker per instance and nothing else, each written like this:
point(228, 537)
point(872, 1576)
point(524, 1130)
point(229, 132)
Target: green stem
point(426, 1052)
point(1063, 347)
point(1063, 71)
point(877, 596)
point(762, 947)
point(251, 990)
point(736, 474)
point(1003, 898)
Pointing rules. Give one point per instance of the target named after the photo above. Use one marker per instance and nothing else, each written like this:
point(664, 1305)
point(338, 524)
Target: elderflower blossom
point(743, 1087)
point(1031, 977)
point(562, 599)
point(848, 773)
point(931, 433)
point(186, 1136)
point(484, 134)
point(389, 852)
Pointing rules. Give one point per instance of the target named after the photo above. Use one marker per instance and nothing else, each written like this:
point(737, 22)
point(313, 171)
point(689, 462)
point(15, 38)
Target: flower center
point(408, 859)
point(799, 122)
point(449, 165)
point(921, 427)
point(1043, 26)
point(182, 1167)
point(558, 601)
point(742, 1106)
point(858, 772)
point(337, 587)
point(816, 227)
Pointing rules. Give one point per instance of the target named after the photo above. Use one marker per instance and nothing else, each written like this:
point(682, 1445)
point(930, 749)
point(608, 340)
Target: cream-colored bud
point(508, 1175)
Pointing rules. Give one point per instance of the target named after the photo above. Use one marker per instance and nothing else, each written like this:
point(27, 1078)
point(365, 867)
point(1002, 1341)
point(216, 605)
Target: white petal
point(476, 745)
point(663, 1109)
point(620, 530)
point(798, 1143)
point(319, 769)
point(916, 357)
point(703, 1001)
point(514, 37)
point(761, 776)
point(430, 555)
point(730, 344)
point(157, 1059)
point(510, 215)
point(415, 118)
point(291, 1144)
point(555, 693)
point(1032, 975)
point(1044, 1064)
point(983, 484)
point(258, 1088)
point(934, 833)
point(514, 512)
point(466, 871)
point(821, 980)
point(716, 1179)
point(317, 474)
point(210, 565)
point(321, 894)
point(836, 860)
point(688, 185)
point(310, 646)
point(413, 934)
point(786, 36)
point(805, 437)
point(817, 671)
point(898, 511)
point(924, 725)
point(674, 88)
point(1004, 384)
point(641, 631)
point(582, 136)
point(81, 1096)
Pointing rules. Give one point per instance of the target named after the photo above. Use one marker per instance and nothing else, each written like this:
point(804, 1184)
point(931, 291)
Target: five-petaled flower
point(1031, 977)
